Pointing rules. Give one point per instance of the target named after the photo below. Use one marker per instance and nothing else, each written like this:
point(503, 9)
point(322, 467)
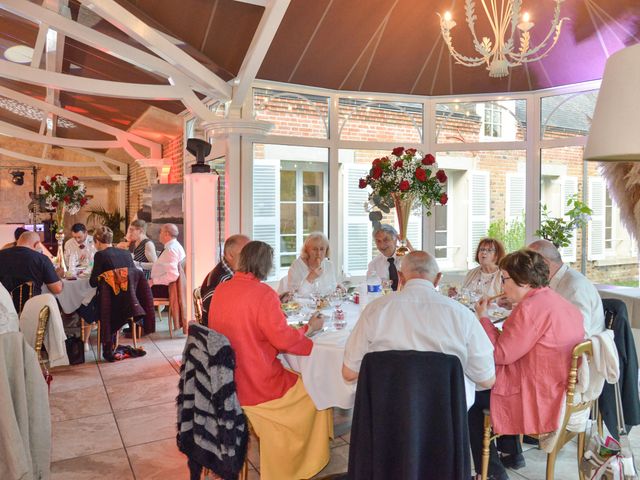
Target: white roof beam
point(267, 28)
point(24, 134)
point(158, 43)
point(44, 161)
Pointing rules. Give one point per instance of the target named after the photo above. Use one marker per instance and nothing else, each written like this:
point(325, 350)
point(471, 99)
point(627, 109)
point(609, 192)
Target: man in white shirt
point(419, 318)
point(165, 268)
point(573, 286)
point(79, 247)
point(385, 264)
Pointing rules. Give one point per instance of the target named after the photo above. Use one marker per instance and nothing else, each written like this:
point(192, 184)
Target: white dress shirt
point(165, 268)
point(380, 265)
point(297, 277)
point(419, 318)
point(84, 255)
point(577, 288)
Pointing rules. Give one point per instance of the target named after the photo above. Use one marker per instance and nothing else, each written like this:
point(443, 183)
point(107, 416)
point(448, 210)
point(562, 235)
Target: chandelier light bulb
point(447, 16)
point(446, 21)
point(525, 25)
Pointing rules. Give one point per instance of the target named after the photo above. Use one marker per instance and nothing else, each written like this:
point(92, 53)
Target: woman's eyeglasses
point(486, 250)
point(504, 279)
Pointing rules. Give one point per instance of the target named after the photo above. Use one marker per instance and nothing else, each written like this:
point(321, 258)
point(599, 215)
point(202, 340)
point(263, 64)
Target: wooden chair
point(21, 294)
point(197, 306)
point(564, 435)
point(176, 302)
point(164, 302)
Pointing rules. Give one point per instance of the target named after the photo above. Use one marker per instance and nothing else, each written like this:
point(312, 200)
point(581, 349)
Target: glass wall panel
point(469, 122)
point(358, 247)
point(487, 192)
point(293, 114)
point(567, 115)
point(377, 121)
point(290, 191)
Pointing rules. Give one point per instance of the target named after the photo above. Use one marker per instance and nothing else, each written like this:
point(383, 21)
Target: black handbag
point(75, 350)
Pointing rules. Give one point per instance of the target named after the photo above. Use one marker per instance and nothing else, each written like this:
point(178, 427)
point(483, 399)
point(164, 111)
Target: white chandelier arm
point(461, 59)
point(260, 43)
point(44, 161)
point(471, 17)
point(159, 44)
point(28, 135)
point(554, 30)
point(154, 148)
point(105, 43)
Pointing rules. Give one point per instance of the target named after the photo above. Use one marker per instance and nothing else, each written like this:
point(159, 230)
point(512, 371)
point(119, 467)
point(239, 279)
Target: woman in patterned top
point(141, 247)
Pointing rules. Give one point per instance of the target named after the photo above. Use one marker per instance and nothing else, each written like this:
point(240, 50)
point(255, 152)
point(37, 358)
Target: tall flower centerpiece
point(62, 194)
point(403, 180)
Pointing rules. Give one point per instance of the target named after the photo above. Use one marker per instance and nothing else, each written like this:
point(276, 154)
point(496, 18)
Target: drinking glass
point(338, 319)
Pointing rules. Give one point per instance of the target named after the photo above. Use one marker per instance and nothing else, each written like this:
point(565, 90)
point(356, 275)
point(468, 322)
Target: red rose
point(441, 176)
point(428, 159)
point(376, 162)
point(66, 199)
point(362, 184)
point(69, 183)
point(397, 151)
point(48, 187)
point(404, 185)
point(398, 164)
point(54, 204)
point(53, 179)
point(83, 200)
point(410, 151)
point(74, 178)
point(376, 172)
point(421, 174)
point(443, 199)
point(43, 183)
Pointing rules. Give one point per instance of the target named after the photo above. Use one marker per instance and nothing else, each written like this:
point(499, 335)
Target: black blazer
point(410, 418)
point(109, 259)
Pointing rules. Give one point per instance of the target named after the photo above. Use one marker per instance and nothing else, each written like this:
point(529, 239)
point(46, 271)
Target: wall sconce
point(17, 177)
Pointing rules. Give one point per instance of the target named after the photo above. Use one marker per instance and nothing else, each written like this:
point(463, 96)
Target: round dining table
point(74, 293)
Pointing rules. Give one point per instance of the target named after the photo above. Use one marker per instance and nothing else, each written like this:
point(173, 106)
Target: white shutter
point(516, 186)
point(266, 214)
point(568, 188)
point(596, 225)
point(479, 210)
point(356, 225)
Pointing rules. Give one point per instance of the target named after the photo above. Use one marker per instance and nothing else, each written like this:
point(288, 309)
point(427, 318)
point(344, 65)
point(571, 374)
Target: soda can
point(356, 297)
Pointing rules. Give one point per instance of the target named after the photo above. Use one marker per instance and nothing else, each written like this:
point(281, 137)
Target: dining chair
point(197, 306)
point(21, 294)
point(43, 321)
point(176, 302)
point(572, 410)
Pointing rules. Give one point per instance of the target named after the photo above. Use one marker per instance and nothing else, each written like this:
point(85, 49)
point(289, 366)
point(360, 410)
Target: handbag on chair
point(608, 458)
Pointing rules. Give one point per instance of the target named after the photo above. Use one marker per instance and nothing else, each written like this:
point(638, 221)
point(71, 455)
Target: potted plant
point(113, 220)
point(559, 230)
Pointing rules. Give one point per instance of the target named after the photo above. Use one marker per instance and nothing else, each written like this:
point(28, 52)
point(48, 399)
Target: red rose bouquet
point(62, 194)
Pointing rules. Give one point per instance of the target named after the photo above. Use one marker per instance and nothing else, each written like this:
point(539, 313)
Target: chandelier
point(504, 17)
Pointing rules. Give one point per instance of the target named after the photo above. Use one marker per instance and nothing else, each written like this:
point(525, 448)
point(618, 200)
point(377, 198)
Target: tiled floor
point(118, 420)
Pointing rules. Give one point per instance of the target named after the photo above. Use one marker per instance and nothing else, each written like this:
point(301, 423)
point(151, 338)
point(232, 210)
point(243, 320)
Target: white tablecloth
point(629, 295)
point(322, 370)
point(73, 293)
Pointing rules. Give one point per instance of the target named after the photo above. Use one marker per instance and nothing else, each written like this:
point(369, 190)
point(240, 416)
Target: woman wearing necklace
point(484, 280)
point(141, 247)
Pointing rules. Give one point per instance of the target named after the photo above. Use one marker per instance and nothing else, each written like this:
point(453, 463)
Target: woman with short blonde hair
point(312, 271)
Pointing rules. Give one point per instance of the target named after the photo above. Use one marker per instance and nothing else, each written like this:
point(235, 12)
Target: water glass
point(338, 319)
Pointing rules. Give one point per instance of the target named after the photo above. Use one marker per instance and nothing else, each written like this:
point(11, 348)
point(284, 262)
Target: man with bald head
point(573, 286)
point(419, 318)
point(24, 263)
point(165, 268)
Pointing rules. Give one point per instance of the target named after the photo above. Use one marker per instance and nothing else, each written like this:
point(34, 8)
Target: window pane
point(288, 218)
point(288, 243)
point(312, 183)
point(287, 260)
point(487, 192)
point(468, 122)
point(567, 115)
point(287, 185)
point(380, 121)
point(312, 218)
point(293, 114)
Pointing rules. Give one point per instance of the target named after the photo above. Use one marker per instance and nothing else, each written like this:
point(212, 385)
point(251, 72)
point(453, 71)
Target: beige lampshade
point(615, 129)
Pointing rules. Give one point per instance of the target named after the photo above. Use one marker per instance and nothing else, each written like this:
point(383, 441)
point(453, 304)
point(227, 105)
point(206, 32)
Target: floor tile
point(140, 393)
point(159, 460)
point(100, 466)
point(84, 402)
point(75, 377)
point(135, 369)
point(338, 462)
point(84, 436)
point(147, 424)
point(566, 467)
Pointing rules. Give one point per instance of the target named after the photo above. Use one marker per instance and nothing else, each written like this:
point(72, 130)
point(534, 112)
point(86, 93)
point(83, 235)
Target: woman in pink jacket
point(532, 355)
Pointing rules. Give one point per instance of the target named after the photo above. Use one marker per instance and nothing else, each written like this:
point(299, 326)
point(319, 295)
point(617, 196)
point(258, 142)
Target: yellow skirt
point(294, 435)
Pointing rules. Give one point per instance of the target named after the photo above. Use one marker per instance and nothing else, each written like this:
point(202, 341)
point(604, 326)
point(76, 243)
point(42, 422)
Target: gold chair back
point(43, 321)
point(197, 305)
point(21, 294)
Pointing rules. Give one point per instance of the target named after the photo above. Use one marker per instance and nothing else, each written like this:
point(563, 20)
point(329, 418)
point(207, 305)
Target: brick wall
point(174, 151)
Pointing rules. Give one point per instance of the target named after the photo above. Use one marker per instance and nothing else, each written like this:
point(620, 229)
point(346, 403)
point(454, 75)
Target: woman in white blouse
point(312, 270)
point(485, 280)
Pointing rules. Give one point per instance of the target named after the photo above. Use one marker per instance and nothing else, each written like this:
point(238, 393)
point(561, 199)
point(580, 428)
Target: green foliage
point(511, 235)
point(559, 230)
point(113, 220)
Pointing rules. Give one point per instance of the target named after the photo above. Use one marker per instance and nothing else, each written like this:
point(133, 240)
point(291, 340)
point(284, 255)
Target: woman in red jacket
point(294, 435)
point(532, 356)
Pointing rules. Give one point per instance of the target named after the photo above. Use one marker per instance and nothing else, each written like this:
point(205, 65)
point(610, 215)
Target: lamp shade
point(615, 129)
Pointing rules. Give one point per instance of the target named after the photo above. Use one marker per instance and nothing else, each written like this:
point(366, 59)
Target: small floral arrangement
point(559, 231)
point(63, 193)
point(405, 174)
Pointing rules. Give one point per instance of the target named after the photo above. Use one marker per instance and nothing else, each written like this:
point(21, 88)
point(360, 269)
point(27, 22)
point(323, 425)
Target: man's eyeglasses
point(504, 279)
point(486, 250)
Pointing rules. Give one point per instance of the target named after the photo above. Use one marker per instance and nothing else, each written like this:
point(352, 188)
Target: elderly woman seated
point(532, 356)
point(312, 270)
point(294, 436)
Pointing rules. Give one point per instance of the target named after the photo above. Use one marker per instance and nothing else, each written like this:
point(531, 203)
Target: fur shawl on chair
point(212, 428)
point(623, 182)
